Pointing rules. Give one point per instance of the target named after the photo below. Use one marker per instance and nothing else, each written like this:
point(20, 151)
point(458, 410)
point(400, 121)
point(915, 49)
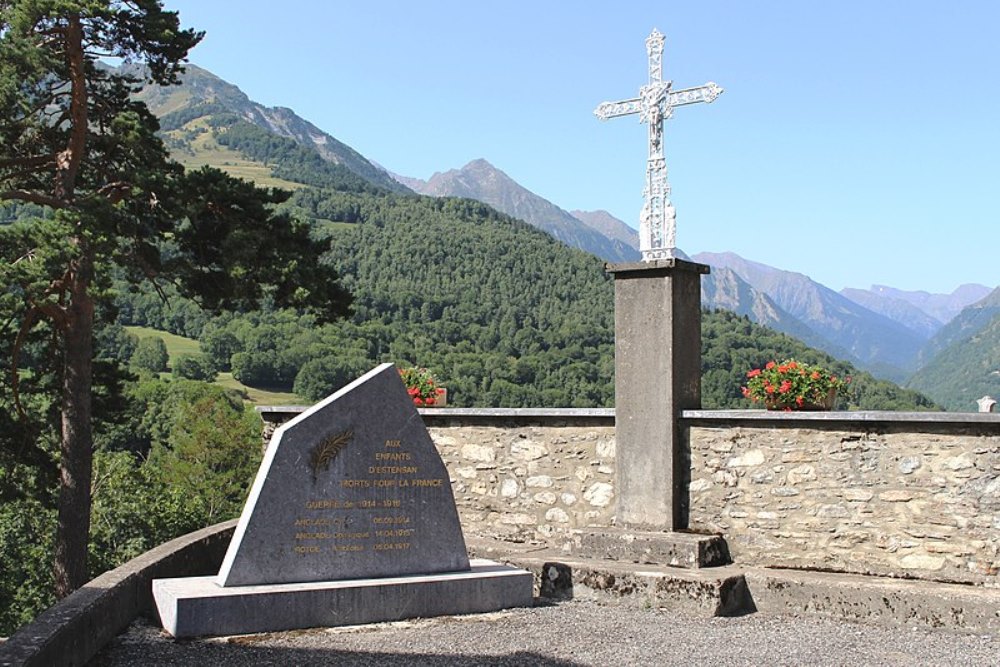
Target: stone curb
point(884, 601)
point(73, 630)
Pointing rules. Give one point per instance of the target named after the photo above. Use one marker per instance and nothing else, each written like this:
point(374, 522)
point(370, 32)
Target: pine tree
point(73, 141)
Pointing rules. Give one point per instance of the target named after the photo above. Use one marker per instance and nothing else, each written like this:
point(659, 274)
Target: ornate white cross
point(656, 102)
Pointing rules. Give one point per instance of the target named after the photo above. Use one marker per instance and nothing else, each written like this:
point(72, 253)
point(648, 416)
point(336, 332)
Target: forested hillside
point(503, 314)
point(965, 358)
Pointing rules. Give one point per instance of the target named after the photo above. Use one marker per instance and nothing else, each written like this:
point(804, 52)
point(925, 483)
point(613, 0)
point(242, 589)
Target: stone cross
point(656, 102)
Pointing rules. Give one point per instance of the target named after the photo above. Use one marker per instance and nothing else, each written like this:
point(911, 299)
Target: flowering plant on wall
point(421, 386)
point(791, 385)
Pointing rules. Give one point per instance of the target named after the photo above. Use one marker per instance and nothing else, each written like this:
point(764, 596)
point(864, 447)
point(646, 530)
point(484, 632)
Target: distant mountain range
point(887, 331)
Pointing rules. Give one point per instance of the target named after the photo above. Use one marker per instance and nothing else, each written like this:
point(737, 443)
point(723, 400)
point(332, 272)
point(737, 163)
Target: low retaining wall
point(894, 494)
point(73, 630)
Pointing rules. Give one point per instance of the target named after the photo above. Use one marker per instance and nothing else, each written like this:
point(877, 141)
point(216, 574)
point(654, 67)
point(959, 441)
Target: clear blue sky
point(857, 142)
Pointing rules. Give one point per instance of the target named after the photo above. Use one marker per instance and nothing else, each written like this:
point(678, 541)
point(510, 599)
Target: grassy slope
point(178, 345)
point(203, 150)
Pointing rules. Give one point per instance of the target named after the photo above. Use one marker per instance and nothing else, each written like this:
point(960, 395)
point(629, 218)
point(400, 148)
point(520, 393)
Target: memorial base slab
point(199, 606)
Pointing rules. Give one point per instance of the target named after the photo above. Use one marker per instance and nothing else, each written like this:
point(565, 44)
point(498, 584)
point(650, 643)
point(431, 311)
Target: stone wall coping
point(497, 413)
point(863, 416)
point(73, 630)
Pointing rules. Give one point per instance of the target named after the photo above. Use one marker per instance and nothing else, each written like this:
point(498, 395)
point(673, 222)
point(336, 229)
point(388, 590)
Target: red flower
point(792, 364)
point(770, 365)
point(799, 400)
point(754, 373)
point(785, 387)
point(439, 391)
point(746, 392)
point(428, 401)
point(815, 375)
point(769, 388)
point(412, 391)
point(417, 400)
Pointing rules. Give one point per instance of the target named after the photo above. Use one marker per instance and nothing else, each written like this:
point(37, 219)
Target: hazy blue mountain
point(899, 310)
point(960, 373)
point(203, 95)
point(608, 225)
point(942, 307)
point(483, 182)
point(876, 342)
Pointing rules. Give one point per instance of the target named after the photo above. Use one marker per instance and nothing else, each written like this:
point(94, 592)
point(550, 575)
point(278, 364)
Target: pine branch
point(34, 198)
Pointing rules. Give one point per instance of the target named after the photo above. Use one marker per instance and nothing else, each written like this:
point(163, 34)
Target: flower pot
point(440, 402)
point(824, 405)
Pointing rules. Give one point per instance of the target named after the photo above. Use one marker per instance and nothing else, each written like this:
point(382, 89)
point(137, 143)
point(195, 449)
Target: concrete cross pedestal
point(657, 374)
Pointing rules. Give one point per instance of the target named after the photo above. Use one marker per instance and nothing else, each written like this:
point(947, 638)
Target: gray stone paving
point(567, 634)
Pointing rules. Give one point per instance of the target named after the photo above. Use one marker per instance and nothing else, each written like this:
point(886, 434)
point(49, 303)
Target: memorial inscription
point(352, 488)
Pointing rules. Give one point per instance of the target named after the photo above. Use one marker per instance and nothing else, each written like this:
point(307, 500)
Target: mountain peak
point(479, 163)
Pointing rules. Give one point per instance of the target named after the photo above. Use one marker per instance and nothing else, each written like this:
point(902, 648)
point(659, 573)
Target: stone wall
point(529, 481)
point(896, 494)
point(907, 499)
point(521, 475)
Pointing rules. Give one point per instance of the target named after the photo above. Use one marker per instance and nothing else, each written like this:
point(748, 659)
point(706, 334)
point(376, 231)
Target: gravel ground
point(567, 634)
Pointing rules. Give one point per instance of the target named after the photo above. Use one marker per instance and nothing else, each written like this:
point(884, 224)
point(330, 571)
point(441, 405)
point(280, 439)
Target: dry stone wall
point(530, 482)
point(894, 500)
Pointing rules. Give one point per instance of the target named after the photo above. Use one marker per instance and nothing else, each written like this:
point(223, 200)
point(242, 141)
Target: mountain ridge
point(200, 86)
point(874, 341)
point(484, 182)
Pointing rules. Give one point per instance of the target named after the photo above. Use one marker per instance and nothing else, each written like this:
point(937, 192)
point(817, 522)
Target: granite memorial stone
point(351, 519)
point(352, 488)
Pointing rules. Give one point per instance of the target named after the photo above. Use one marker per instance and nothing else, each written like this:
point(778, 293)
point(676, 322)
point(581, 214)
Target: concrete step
point(717, 591)
point(688, 550)
point(732, 590)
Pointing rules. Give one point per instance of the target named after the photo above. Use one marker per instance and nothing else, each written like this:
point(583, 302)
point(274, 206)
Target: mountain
point(873, 341)
point(183, 111)
point(608, 225)
point(208, 121)
point(483, 182)
point(724, 289)
point(962, 327)
point(969, 367)
point(898, 310)
point(940, 307)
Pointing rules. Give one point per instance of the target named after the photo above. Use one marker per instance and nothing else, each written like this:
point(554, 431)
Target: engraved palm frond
point(325, 453)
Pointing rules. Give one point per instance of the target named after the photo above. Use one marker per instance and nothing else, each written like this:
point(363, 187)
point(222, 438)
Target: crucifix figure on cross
point(656, 102)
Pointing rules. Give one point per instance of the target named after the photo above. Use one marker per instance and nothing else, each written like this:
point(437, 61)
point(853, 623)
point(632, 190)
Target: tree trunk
point(76, 448)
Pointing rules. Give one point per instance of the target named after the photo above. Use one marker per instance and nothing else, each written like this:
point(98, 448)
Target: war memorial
point(367, 510)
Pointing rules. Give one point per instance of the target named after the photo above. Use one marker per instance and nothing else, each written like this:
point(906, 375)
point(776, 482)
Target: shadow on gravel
point(193, 653)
